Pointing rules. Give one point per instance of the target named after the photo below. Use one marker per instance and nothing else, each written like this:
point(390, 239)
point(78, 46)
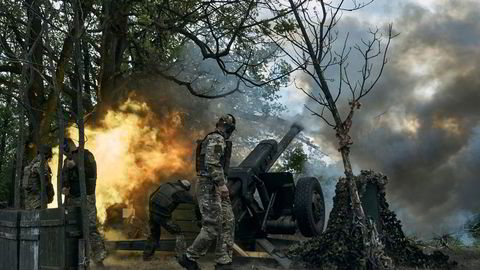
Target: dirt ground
point(121, 260)
point(468, 259)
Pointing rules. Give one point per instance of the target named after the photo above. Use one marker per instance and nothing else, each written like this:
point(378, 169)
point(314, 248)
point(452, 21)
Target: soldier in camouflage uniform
point(31, 185)
point(218, 223)
point(71, 189)
point(161, 205)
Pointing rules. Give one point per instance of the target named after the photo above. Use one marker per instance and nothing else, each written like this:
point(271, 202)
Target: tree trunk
point(339, 125)
point(3, 139)
point(19, 157)
point(352, 186)
point(114, 44)
point(43, 183)
point(34, 66)
point(81, 135)
point(60, 69)
point(87, 67)
point(61, 137)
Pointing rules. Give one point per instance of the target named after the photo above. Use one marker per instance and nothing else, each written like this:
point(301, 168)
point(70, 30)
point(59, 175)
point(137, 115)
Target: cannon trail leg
point(276, 254)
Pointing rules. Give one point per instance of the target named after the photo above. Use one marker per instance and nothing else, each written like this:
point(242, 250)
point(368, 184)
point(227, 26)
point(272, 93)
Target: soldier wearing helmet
point(161, 205)
point(218, 222)
point(31, 184)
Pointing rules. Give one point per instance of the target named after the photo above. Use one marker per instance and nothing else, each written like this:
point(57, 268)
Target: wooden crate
point(40, 239)
point(8, 239)
point(184, 215)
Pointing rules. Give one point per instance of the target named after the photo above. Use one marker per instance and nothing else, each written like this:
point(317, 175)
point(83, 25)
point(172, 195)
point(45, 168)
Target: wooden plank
point(8, 247)
point(276, 254)
point(52, 238)
point(73, 234)
point(239, 250)
point(168, 245)
point(45, 246)
point(258, 254)
point(82, 258)
point(28, 249)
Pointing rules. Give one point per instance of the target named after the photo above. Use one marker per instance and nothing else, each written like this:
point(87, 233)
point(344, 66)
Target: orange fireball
point(135, 150)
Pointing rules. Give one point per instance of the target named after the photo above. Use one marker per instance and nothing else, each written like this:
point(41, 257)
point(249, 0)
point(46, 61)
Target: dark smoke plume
point(420, 126)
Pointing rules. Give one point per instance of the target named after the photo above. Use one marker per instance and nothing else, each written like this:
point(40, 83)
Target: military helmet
point(227, 121)
point(185, 183)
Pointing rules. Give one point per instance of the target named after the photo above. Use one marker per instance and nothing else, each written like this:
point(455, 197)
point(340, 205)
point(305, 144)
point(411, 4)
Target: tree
point(294, 160)
point(309, 38)
point(123, 41)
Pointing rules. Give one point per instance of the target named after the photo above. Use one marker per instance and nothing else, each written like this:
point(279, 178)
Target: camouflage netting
point(340, 247)
point(473, 226)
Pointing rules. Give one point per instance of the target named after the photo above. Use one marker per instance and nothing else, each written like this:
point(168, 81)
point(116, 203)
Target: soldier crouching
point(161, 205)
point(218, 222)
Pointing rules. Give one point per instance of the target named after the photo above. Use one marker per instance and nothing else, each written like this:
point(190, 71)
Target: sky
point(421, 124)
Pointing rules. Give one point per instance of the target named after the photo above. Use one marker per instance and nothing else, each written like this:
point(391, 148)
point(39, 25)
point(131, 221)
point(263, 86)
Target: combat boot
point(187, 263)
point(148, 253)
point(147, 257)
point(220, 266)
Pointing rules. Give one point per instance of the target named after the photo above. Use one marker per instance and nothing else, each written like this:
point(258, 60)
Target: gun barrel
point(262, 158)
point(283, 144)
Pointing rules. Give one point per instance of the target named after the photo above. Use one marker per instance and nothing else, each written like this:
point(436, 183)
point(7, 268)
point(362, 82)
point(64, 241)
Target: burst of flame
point(135, 148)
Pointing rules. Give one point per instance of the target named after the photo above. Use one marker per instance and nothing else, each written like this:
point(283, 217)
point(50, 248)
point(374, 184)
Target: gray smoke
point(420, 126)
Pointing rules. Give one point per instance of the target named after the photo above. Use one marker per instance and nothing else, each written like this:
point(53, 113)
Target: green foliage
point(143, 38)
point(285, 26)
point(294, 161)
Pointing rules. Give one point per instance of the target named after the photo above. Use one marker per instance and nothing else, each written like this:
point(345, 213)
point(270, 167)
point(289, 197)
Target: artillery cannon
point(264, 203)
point(271, 202)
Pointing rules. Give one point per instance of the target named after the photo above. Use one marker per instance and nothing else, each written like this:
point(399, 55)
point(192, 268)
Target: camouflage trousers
point(218, 223)
point(156, 223)
point(97, 243)
point(31, 200)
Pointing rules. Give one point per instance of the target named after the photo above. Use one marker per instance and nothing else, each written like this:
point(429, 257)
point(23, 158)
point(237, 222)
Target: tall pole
point(61, 137)
point(43, 184)
point(81, 136)
point(19, 156)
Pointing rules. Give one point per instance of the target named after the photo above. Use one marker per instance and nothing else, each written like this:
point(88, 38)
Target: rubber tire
point(305, 189)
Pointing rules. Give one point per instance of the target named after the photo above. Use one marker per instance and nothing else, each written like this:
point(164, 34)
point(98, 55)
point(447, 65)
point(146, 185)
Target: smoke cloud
point(148, 134)
point(420, 126)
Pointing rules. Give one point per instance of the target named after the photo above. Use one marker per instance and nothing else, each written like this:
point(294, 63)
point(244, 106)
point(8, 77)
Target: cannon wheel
point(309, 207)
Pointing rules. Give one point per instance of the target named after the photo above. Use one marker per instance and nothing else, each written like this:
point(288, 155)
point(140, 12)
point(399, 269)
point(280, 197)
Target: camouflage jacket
point(215, 156)
point(31, 178)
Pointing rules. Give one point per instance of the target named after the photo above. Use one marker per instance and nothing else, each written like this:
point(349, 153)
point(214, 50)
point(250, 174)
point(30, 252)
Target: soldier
point(31, 185)
point(161, 205)
point(212, 161)
point(71, 189)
